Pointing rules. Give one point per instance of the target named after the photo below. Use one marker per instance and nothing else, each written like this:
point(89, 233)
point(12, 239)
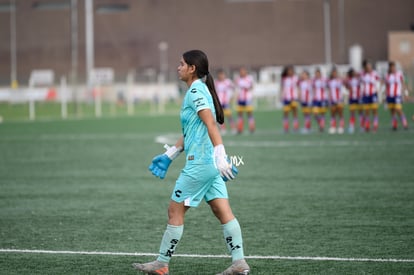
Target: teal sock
point(169, 242)
point(233, 237)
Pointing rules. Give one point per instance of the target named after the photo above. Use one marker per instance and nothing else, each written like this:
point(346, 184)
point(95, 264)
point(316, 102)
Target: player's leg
point(286, 111)
point(375, 117)
point(394, 121)
point(250, 117)
point(352, 111)
point(322, 119)
point(367, 122)
point(307, 118)
point(232, 236)
point(240, 121)
point(401, 115)
point(340, 111)
point(230, 119)
point(332, 129)
point(169, 241)
point(361, 113)
point(295, 116)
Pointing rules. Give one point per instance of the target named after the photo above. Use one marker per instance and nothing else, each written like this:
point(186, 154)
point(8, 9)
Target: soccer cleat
point(239, 267)
point(152, 268)
point(332, 130)
point(340, 130)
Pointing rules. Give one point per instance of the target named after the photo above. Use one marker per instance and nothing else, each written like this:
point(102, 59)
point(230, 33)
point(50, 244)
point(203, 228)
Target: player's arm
point(225, 167)
point(159, 165)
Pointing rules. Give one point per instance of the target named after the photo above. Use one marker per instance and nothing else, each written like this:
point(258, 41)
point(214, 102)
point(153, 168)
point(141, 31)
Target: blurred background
point(126, 51)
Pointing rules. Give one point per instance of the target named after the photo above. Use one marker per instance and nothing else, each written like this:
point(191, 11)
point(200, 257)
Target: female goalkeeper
point(206, 169)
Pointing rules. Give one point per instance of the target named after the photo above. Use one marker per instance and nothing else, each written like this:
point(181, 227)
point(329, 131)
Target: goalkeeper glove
point(227, 170)
point(160, 163)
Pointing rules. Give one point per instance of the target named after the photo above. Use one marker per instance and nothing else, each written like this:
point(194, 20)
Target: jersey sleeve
point(198, 100)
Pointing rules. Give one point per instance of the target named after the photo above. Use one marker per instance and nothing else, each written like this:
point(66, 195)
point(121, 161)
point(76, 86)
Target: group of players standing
point(317, 95)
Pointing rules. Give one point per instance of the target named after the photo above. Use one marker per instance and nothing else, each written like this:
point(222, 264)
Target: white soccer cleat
point(340, 130)
point(332, 130)
point(239, 267)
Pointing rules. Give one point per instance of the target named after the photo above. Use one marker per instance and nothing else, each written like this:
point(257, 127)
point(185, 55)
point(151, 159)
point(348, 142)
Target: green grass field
point(83, 185)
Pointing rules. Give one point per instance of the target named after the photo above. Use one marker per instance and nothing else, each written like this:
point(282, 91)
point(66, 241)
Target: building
point(127, 33)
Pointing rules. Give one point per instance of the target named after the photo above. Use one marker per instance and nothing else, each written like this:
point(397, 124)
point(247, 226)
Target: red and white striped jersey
point(245, 88)
point(305, 88)
point(289, 91)
point(224, 89)
point(354, 87)
point(335, 90)
point(369, 83)
point(319, 89)
point(394, 82)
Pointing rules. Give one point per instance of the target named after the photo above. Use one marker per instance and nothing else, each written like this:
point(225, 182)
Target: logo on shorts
point(178, 193)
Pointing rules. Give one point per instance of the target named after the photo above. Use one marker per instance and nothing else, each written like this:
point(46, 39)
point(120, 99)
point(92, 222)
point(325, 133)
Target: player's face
point(221, 76)
point(393, 69)
point(243, 72)
point(318, 74)
point(304, 76)
point(184, 70)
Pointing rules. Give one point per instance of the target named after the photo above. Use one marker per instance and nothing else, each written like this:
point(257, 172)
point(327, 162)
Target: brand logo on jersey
point(191, 157)
point(199, 102)
point(193, 90)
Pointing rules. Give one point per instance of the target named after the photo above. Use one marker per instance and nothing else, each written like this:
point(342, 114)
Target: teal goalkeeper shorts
point(198, 182)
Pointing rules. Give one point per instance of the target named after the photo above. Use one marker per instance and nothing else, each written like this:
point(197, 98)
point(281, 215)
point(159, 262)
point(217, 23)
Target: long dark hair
point(200, 61)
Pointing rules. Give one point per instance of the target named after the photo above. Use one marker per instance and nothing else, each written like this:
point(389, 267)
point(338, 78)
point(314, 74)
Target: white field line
point(298, 258)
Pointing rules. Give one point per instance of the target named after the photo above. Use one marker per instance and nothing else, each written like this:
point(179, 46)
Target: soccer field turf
point(344, 203)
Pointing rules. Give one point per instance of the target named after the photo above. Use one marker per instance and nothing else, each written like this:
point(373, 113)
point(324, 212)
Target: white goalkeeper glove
point(227, 170)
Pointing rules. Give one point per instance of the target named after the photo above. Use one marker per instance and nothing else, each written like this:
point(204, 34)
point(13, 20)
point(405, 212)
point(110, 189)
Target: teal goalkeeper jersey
point(197, 143)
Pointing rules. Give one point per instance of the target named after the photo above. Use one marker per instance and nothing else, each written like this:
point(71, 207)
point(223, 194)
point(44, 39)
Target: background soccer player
point(336, 102)
point(394, 81)
point(225, 88)
point(289, 97)
point(319, 98)
point(352, 83)
point(244, 84)
point(206, 167)
point(370, 81)
point(305, 89)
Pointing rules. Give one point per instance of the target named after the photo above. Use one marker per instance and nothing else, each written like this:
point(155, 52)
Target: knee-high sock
point(307, 121)
point(240, 124)
point(295, 123)
point(375, 122)
point(286, 123)
point(352, 121)
point(333, 122)
point(252, 124)
point(394, 122)
point(233, 238)
point(169, 242)
point(403, 120)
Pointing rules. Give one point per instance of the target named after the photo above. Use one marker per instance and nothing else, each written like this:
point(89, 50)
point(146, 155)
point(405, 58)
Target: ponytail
point(200, 61)
point(217, 105)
